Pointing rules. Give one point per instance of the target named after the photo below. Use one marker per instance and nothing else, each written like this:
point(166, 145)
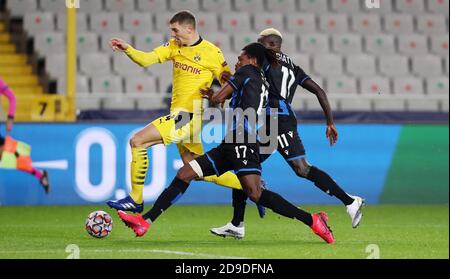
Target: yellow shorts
point(183, 129)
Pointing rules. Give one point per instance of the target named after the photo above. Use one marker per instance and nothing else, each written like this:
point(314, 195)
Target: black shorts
point(289, 145)
point(242, 158)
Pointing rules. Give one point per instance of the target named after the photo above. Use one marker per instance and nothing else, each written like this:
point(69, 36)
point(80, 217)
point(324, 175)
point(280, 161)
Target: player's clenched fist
point(117, 44)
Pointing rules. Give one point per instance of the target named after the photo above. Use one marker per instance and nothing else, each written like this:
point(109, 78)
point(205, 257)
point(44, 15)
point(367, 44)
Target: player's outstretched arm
point(143, 59)
point(331, 133)
point(117, 44)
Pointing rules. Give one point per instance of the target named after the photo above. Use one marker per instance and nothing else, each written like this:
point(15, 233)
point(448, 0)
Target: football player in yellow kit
point(196, 62)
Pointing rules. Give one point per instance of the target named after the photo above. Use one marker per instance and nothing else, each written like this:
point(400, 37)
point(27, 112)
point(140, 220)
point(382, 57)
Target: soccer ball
point(99, 224)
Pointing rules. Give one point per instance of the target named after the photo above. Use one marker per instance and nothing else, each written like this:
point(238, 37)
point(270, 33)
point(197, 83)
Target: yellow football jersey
point(194, 68)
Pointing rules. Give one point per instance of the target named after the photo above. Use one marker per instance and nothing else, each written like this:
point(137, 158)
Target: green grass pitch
point(398, 231)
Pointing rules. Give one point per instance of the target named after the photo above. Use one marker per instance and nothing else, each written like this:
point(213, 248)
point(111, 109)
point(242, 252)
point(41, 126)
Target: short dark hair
point(184, 17)
point(261, 53)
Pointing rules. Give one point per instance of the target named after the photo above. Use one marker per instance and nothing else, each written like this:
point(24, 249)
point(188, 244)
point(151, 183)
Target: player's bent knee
point(187, 174)
point(301, 167)
point(135, 141)
point(254, 194)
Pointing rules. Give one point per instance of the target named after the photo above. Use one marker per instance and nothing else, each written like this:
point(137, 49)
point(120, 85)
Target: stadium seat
point(375, 85)
point(410, 6)
point(314, 43)
point(249, 6)
point(152, 6)
point(179, 5)
point(289, 45)
point(355, 103)
point(87, 42)
point(422, 104)
point(124, 66)
point(408, 85)
point(20, 7)
point(37, 22)
point(361, 65)
point(164, 85)
point(347, 43)
point(49, 43)
point(207, 22)
point(55, 65)
point(118, 102)
point(268, 20)
point(380, 44)
point(427, 65)
point(122, 6)
point(105, 22)
point(393, 65)
point(366, 23)
point(54, 6)
point(148, 41)
point(414, 44)
point(398, 24)
point(221, 40)
point(91, 6)
point(432, 24)
point(161, 70)
point(88, 102)
point(439, 44)
point(446, 65)
point(105, 37)
point(109, 84)
point(216, 5)
point(341, 85)
point(162, 22)
point(383, 103)
point(242, 39)
point(150, 102)
point(82, 85)
point(81, 22)
point(345, 6)
point(141, 84)
point(386, 7)
point(438, 6)
point(301, 23)
point(333, 23)
point(235, 22)
point(281, 6)
point(314, 6)
point(327, 64)
point(437, 85)
point(137, 23)
point(231, 58)
point(309, 102)
point(95, 64)
point(303, 61)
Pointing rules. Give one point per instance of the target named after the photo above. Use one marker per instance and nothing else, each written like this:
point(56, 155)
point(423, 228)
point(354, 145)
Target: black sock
point(168, 197)
point(239, 202)
point(281, 206)
point(325, 183)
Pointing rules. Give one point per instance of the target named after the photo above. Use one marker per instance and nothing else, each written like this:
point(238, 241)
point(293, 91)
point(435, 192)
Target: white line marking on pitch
point(128, 251)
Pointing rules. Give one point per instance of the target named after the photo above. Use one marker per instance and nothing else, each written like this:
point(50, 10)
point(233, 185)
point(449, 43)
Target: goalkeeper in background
point(196, 62)
point(15, 154)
